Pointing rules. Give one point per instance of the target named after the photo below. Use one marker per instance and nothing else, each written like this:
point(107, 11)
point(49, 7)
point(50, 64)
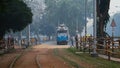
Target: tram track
point(37, 57)
point(15, 59)
point(37, 61)
point(21, 57)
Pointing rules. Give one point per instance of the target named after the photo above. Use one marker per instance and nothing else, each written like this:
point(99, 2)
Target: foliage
point(47, 29)
point(102, 11)
point(69, 12)
point(103, 15)
point(14, 15)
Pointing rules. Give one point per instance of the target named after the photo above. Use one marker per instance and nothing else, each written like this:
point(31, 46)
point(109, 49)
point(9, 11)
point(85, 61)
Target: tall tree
point(103, 18)
point(14, 15)
point(67, 12)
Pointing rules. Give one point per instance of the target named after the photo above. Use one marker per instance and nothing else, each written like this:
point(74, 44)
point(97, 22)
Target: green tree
point(14, 15)
point(103, 15)
point(69, 12)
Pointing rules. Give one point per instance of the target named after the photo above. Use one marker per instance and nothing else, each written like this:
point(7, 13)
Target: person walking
point(76, 41)
point(72, 41)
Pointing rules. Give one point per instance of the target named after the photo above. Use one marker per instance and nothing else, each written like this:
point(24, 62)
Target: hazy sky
point(114, 7)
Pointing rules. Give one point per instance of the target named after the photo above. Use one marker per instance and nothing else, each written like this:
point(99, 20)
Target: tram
point(62, 36)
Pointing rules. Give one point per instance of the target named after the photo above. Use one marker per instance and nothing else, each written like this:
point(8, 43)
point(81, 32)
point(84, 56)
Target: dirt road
point(48, 59)
point(39, 54)
point(42, 56)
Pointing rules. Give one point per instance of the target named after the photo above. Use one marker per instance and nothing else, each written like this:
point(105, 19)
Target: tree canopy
point(103, 15)
point(69, 12)
point(14, 15)
point(103, 18)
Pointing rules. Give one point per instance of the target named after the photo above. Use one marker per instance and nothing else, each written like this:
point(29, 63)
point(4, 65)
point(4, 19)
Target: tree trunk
point(102, 18)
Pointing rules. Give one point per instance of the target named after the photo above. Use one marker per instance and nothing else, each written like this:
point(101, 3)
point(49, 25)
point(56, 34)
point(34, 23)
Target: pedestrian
point(72, 41)
point(76, 41)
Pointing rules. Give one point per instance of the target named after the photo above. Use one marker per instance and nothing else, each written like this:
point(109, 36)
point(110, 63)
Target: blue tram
point(62, 35)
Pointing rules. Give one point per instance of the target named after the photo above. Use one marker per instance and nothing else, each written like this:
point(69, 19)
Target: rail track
point(37, 57)
point(14, 60)
point(18, 57)
point(37, 61)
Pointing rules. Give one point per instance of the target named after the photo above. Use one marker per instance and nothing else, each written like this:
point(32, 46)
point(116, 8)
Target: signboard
point(113, 24)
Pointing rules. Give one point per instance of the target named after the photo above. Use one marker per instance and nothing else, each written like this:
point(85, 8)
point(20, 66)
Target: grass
point(97, 61)
point(56, 52)
point(117, 51)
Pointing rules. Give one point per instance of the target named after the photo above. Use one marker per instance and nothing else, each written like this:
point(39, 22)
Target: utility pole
point(94, 53)
point(21, 39)
point(28, 31)
point(85, 23)
point(77, 26)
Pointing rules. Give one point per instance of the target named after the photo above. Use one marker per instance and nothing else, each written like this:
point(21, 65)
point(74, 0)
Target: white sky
point(114, 7)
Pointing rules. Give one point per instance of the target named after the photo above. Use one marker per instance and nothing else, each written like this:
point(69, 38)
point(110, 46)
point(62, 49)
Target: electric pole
point(94, 53)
